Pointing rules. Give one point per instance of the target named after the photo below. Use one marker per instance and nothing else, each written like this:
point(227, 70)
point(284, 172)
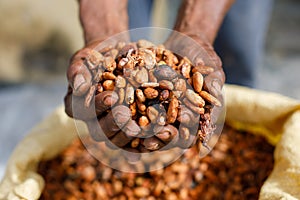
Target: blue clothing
point(241, 39)
point(139, 12)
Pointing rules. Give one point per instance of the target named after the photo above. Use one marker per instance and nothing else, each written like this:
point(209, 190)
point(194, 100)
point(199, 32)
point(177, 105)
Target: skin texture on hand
point(202, 17)
point(100, 20)
point(103, 18)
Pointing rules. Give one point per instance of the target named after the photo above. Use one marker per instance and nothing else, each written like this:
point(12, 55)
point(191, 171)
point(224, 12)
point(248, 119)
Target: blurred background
point(37, 39)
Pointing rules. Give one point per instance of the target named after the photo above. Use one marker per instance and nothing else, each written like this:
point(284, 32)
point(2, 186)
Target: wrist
point(101, 19)
point(202, 18)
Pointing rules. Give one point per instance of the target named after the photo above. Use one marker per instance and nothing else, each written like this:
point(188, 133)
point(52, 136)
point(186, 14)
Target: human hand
point(83, 101)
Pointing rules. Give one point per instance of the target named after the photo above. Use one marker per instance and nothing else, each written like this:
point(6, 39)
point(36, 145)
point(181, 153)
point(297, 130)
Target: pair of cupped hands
point(80, 79)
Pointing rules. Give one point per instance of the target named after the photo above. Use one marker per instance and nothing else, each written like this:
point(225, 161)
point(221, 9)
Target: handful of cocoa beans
point(163, 93)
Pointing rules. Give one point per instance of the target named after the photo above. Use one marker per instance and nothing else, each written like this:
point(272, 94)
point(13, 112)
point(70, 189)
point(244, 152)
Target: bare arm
point(202, 17)
point(102, 18)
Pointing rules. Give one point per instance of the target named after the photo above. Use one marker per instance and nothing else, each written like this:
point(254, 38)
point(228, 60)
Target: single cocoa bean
point(210, 98)
point(172, 110)
point(94, 58)
point(108, 76)
point(165, 72)
point(197, 81)
point(143, 121)
point(194, 98)
point(140, 95)
point(166, 85)
point(150, 84)
point(135, 143)
point(185, 67)
point(108, 85)
point(150, 93)
point(152, 143)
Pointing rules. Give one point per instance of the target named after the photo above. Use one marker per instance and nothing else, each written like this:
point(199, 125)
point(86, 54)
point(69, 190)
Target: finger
point(152, 143)
point(207, 54)
point(131, 129)
point(105, 100)
point(165, 133)
point(115, 120)
point(79, 77)
point(213, 83)
point(120, 139)
point(74, 107)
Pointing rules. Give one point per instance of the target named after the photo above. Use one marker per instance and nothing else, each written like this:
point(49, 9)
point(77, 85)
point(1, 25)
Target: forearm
point(202, 17)
point(102, 18)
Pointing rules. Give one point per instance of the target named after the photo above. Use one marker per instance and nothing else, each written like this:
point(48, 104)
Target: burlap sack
point(272, 115)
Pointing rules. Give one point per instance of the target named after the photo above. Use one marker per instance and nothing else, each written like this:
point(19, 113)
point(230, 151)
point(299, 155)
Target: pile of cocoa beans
point(165, 93)
point(235, 169)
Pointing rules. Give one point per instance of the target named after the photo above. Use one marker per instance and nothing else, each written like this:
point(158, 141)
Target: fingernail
point(78, 81)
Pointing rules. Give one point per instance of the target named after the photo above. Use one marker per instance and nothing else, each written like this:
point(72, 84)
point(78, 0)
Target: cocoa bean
point(150, 84)
point(94, 58)
point(166, 85)
point(143, 121)
point(150, 93)
point(165, 72)
point(172, 110)
point(140, 95)
point(135, 143)
point(108, 85)
point(197, 81)
point(185, 67)
point(152, 143)
point(108, 76)
point(210, 98)
point(194, 98)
